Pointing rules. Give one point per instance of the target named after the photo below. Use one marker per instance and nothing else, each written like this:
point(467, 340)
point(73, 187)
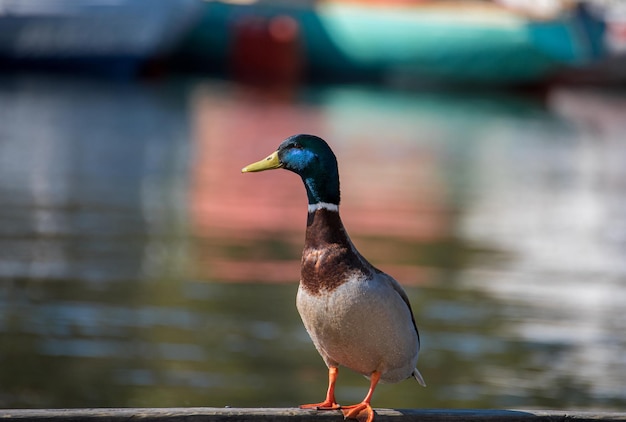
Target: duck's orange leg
point(329, 403)
point(363, 411)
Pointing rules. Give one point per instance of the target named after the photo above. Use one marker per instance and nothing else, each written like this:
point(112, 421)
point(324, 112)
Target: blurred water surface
point(138, 267)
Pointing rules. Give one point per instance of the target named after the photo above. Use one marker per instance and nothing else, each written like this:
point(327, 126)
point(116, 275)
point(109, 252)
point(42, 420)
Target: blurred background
point(482, 155)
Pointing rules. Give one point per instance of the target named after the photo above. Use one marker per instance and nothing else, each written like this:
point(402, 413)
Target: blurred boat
point(462, 42)
point(103, 36)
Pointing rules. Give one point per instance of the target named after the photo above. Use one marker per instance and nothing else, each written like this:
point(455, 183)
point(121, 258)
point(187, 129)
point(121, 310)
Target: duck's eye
point(297, 146)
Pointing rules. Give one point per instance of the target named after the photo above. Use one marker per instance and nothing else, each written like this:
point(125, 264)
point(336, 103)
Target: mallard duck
point(357, 316)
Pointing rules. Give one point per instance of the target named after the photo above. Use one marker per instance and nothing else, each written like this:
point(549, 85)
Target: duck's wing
point(398, 288)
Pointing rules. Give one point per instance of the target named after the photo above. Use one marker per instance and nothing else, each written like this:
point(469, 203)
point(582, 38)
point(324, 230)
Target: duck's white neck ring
point(324, 206)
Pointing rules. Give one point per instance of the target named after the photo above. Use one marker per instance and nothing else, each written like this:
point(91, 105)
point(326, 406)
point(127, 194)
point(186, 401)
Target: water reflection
point(139, 268)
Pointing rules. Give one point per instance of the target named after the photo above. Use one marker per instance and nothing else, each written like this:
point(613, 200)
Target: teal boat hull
point(348, 40)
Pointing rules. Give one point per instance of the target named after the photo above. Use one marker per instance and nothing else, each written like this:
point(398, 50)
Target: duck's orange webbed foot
point(362, 412)
point(325, 405)
point(329, 403)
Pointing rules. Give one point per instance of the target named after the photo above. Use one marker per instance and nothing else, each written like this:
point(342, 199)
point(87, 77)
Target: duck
point(357, 316)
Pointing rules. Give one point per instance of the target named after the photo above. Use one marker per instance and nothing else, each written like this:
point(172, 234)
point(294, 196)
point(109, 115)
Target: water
point(138, 267)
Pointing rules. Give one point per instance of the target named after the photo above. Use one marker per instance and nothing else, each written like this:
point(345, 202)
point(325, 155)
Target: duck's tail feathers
point(419, 377)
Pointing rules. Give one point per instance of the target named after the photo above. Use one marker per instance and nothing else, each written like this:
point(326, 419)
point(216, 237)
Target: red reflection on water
point(398, 196)
point(231, 132)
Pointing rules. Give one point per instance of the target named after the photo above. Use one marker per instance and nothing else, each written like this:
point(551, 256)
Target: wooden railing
point(209, 414)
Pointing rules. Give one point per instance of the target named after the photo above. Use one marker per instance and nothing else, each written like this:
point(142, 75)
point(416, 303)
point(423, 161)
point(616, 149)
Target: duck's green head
point(311, 158)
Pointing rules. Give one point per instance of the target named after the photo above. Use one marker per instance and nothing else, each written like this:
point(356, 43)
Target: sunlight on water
point(138, 267)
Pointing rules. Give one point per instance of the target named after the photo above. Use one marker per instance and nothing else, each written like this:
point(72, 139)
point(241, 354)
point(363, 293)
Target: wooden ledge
point(212, 414)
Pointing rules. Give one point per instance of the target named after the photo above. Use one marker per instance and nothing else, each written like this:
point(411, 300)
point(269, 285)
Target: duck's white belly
point(363, 325)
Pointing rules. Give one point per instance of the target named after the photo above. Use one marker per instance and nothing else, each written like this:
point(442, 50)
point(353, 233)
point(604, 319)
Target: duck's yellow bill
point(269, 163)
